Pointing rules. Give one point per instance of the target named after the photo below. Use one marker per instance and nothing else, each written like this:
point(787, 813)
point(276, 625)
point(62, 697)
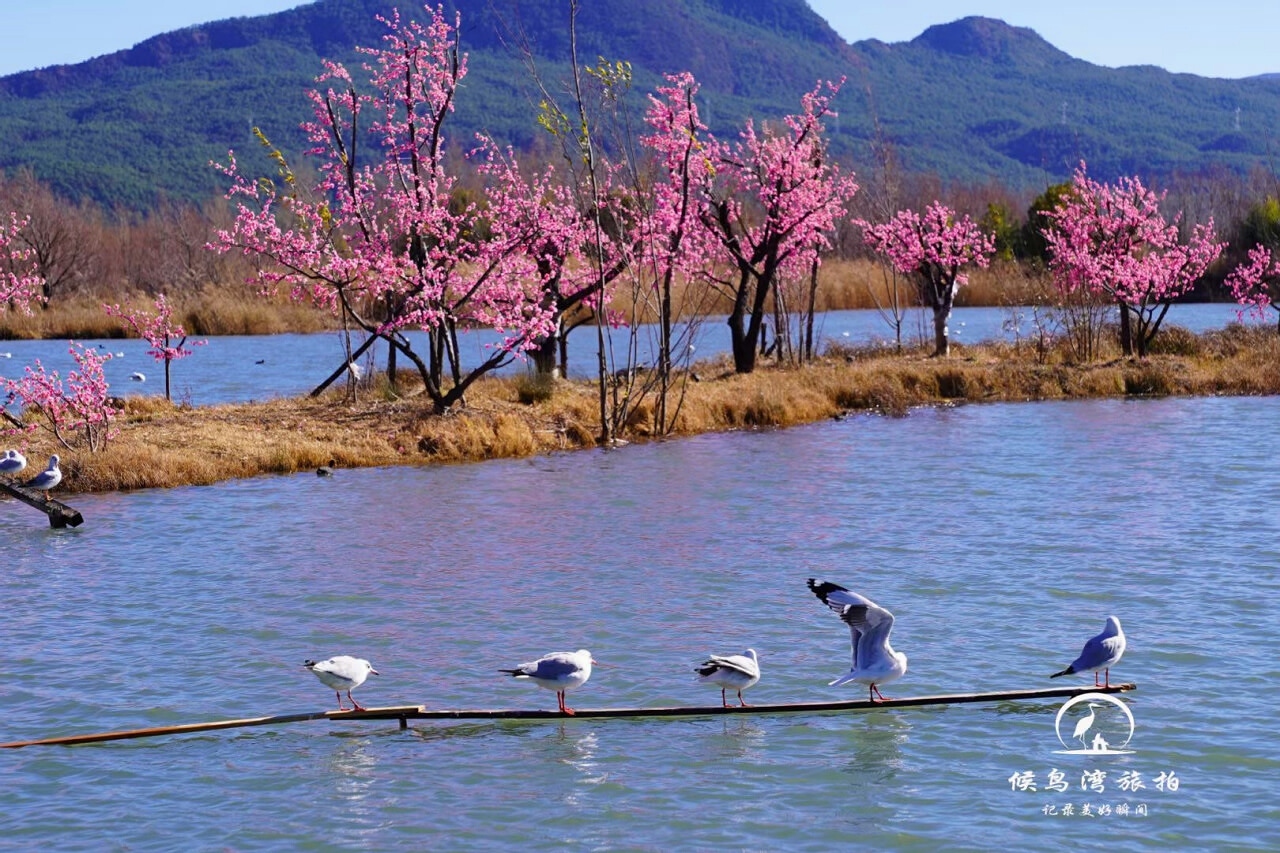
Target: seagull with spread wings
point(874, 660)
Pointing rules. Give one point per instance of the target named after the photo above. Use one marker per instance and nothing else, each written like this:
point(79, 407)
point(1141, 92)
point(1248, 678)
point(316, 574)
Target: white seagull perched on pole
point(12, 462)
point(342, 673)
point(560, 671)
point(874, 660)
point(46, 479)
point(1101, 652)
point(733, 672)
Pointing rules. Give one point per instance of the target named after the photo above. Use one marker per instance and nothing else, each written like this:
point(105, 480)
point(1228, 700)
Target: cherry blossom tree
point(81, 406)
point(382, 230)
point(674, 241)
point(156, 327)
point(20, 284)
point(773, 203)
point(935, 248)
point(1113, 239)
point(1256, 283)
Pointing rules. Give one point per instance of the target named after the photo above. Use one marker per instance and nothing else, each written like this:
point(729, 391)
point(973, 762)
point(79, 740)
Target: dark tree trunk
point(1126, 330)
point(545, 355)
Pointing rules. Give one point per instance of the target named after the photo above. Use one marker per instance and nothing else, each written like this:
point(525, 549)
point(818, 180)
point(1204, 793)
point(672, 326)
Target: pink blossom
point(1256, 283)
point(1113, 239)
point(20, 284)
point(158, 329)
point(935, 248)
point(82, 406)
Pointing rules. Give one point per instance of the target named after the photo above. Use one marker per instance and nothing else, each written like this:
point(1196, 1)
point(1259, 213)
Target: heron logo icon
point(1105, 727)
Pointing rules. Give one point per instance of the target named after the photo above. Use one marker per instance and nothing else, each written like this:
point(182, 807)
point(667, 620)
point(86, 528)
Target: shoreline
point(166, 446)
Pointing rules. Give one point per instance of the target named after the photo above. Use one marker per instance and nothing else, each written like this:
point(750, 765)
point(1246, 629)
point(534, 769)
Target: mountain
point(972, 100)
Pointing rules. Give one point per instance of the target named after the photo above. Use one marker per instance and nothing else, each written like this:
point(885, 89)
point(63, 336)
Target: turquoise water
point(1000, 536)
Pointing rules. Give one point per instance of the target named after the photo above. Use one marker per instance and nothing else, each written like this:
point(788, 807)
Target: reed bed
point(226, 310)
point(222, 312)
point(163, 445)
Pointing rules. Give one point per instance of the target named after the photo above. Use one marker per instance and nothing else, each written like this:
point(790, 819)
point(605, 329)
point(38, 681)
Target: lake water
point(240, 368)
point(1001, 536)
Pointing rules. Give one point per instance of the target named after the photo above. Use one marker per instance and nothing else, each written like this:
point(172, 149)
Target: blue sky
point(1228, 38)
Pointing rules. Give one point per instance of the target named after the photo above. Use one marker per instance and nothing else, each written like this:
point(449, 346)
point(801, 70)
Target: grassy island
point(162, 445)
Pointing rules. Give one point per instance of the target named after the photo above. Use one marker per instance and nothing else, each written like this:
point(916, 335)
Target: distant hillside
point(972, 100)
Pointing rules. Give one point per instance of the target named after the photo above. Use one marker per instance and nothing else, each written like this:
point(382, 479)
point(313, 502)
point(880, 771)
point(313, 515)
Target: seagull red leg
point(340, 705)
point(1095, 679)
point(741, 701)
point(723, 701)
point(1108, 678)
point(878, 693)
point(358, 706)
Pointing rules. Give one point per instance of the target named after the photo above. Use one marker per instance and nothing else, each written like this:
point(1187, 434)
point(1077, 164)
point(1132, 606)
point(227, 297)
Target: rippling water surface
point(1001, 536)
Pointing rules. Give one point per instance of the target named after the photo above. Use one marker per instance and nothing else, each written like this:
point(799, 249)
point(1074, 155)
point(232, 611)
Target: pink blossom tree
point(1256, 283)
point(83, 406)
point(382, 228)
point(673, 240)
point(1113, 239)
point(20, 284)
point(771, 207)
point(167, 338)
point(936, 249)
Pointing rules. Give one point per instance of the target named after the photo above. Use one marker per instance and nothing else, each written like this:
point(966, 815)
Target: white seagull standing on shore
point(559, 671)
point(1101, 652)
point(733, 672)
point(12, 462)
point(342, 673)
point(46, 479)
point(874, 660)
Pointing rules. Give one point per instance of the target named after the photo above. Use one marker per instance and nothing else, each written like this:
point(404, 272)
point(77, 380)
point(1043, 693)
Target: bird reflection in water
point(734, 737)
point(875, 747)
point(353, 765)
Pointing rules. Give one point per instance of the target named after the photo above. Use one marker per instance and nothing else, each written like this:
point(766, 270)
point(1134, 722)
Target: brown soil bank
point(160, 445)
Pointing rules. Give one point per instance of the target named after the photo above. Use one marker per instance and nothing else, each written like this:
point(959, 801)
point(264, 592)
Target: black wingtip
point(308, 664)
point(1067, 671)
point(707, 668)
point(512, 672)
point(824, 588)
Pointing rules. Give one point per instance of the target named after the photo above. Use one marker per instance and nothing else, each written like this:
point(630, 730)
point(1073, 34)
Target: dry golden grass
point(221, 313)
point(165, 445)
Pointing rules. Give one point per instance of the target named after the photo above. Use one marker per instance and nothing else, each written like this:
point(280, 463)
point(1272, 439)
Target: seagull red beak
point(374, 672)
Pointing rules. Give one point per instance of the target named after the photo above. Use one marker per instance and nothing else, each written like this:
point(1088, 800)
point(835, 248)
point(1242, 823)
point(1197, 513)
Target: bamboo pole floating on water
point(404, 713)
point(60, 515)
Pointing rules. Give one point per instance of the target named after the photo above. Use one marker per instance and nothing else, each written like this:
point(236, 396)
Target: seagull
point(327, 470)
point(46, 479)
point(874, 660)
point(559, 671)
point(1102, 652)
point(12, 462)
point(357, 372)
point(342, 673)
point(735, 672)
point(138, 376)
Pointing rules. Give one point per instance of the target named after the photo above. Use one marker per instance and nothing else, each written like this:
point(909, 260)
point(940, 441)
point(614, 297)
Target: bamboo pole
point(367, 714)
point(403, 713)
point(790, 708)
